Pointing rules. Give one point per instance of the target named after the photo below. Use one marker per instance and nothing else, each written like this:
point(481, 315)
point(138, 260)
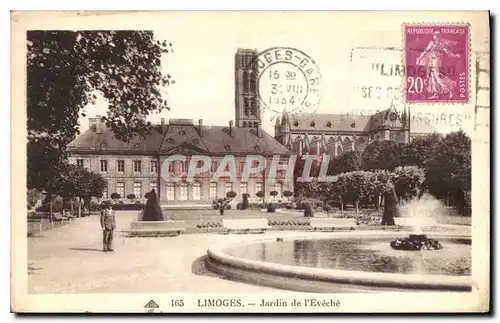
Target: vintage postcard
point(250, 162)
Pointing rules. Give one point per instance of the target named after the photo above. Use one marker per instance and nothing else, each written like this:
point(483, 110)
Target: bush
point(287, 193)
point(271, 208)
point(115, 196)
point(137, 202)
point(273, 193)
point(128, 207)
point(221, 204)
point(231, 194)
point(328, 209)
point(259, 194)
point(308, 211)
point(208, 225)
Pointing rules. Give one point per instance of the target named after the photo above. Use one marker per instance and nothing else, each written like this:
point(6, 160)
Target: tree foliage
point(347, 162)
point(81, 183)
point(449, 168)
point(64, 71)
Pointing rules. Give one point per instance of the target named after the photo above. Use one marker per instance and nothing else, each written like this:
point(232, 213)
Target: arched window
point(339, 151)
point(330, 146)
point(347, 144)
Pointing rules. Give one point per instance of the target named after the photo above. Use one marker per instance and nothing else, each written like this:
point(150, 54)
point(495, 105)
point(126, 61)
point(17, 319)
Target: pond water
point(371, 255)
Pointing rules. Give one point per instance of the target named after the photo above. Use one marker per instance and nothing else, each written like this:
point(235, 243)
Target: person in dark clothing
point(108, 226)
point(390, 205)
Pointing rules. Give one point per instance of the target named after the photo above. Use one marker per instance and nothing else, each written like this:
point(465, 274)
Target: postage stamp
point(288, 80)
point(436, 59)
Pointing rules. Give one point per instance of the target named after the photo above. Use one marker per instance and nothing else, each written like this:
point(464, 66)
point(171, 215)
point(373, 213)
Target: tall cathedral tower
point(247, 105)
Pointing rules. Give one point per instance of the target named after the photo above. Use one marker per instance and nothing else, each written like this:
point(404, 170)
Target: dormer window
point(296, 123)
point(257, 148)
point(227, 147)
point(313, 124)
point(329, 124)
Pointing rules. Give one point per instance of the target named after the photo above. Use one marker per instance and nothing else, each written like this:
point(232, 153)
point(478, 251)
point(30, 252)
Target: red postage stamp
point(436, 58)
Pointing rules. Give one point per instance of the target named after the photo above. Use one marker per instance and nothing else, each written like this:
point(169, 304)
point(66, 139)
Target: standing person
point(108, 226)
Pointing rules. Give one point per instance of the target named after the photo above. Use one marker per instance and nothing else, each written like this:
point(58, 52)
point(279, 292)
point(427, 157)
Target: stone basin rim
point(217, 256)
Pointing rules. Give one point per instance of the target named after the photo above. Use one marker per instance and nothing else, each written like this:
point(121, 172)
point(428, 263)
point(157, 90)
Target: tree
point(131, 197)
point(77, 182)
point(65, 70)
point(449, 169)
point(385, 155)
point(347, 162)
point(287, 194)
point(422, 149)
point(115, 196)
point(407, 181)
point(260, 194)
point(231, 194)
point(273, 193)
point(221, 204)
point(33, 196)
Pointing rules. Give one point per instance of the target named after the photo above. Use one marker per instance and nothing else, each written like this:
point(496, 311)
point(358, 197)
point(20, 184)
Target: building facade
point(140, 165)
point(335, 134)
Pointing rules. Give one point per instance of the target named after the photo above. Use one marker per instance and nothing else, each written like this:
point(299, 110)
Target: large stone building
point(334, 134)
point(138, 166)
point(135, 167)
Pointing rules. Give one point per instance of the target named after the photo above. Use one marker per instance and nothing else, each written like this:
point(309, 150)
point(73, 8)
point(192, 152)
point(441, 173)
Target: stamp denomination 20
point(288, 80)
point(436, 60)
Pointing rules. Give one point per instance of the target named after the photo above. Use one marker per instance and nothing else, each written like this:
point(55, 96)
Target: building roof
point(329, 122)
point(181, 135)
point(322, 122)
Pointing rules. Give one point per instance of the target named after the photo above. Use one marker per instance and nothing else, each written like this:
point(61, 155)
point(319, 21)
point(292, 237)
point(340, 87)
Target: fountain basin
point(222, 259)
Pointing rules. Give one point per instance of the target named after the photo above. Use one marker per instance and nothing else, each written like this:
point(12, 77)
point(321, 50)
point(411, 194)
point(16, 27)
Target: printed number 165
point(177, 303)
point(416, 84)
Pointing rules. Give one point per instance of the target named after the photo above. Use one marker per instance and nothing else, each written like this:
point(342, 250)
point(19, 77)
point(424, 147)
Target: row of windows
point(120, 165)
point(182, 166)
point(184, 190)
point(137, 189)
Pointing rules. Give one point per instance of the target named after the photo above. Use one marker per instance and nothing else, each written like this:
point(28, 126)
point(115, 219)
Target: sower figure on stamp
point(108, 226)
point(432, 58)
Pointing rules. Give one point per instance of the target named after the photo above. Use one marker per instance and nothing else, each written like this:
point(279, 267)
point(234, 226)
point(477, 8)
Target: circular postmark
point(288, 80)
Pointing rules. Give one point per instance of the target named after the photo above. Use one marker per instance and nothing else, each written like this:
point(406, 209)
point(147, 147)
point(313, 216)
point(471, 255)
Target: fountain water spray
point(419, 215)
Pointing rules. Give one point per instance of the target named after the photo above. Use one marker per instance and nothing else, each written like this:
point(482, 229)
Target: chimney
point(99, 124)
point(259, 130)
point(200, 126)
point(231, 127)
point(95, 124)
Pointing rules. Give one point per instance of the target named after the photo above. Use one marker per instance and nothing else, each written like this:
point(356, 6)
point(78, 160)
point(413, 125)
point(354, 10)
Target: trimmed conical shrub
point(152, 210)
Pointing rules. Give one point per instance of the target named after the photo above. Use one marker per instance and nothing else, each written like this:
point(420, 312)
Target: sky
point(344, 47)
